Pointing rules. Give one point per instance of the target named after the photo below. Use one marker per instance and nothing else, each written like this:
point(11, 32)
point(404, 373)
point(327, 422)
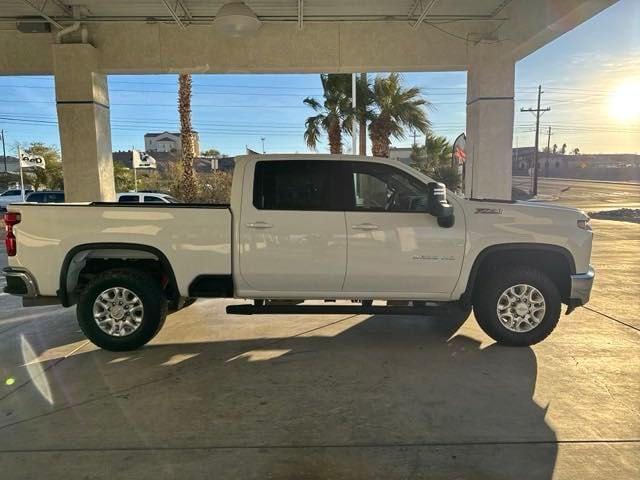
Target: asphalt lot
point(290, 397)
point(587, 195)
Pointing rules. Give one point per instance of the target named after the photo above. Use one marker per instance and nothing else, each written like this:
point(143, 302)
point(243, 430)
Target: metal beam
point(185, 10)
point(413, 9)
point(424, 13)
point(300, 14)
point(174, 14)
point(43, 15)
point(65, 8)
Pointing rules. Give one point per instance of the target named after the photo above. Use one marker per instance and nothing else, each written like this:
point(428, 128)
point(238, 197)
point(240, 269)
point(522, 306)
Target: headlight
point(584, 224)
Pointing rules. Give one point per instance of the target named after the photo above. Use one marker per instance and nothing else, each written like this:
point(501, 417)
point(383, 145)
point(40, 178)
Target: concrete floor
point(341, 397)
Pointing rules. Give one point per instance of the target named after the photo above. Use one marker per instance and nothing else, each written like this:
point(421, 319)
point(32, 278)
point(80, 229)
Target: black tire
point(488, 293)
point(150, 294)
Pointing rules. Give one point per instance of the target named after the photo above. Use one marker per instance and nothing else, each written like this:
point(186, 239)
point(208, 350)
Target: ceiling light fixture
point(236, 19)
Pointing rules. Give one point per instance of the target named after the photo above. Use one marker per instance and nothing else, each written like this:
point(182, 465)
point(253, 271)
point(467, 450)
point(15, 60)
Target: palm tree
point(397, 108)
point(364, 110)
point(189, 181)
point(434, 160)
point(334, 113)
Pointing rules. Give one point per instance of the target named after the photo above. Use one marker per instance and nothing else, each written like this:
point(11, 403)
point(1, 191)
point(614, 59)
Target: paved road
point(586, 195)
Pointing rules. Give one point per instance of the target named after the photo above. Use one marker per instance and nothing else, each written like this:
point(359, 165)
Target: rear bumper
point(581, 287)
point(20, 282)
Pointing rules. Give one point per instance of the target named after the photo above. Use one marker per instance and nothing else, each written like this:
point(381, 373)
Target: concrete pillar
point(82, 99)
point(490, 92)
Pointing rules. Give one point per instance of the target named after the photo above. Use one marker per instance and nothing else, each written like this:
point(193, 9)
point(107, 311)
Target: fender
point(62, 292)
point(504, 247)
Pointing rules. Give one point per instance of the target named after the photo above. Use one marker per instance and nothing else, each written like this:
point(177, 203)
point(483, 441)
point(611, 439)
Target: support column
point(490, 92)
point(82, 99)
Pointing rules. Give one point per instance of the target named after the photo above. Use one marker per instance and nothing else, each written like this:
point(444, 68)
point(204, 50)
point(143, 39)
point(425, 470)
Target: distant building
point(224, 164)
point(401, 154)
point(165, 159)
point(12, 164)
point(168, 142)
point(522, 159)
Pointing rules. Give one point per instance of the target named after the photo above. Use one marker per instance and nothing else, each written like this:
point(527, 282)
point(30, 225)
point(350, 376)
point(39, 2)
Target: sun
point(624, 102)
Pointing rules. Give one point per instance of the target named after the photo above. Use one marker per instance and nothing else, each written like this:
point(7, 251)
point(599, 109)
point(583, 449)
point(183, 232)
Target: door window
point(128, 199)
point(36, 197)
point(152, 199)
point(382, 188)
point(55, 198)
point(293, 185)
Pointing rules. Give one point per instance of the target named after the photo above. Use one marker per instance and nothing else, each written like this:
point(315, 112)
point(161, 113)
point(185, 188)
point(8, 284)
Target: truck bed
point(194, 238)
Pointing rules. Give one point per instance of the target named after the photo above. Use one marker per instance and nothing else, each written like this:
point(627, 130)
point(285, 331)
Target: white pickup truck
point(370, 231)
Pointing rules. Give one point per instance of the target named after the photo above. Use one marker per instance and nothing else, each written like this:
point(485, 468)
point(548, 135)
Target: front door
point(395, 248)
point(292, 234)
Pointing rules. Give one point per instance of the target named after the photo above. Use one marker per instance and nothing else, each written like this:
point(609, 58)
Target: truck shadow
point(389, 397)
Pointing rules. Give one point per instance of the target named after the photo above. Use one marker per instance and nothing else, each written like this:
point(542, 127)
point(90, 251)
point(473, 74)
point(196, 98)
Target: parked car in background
point(146, 197)
point(11, 196)
point(46, 196)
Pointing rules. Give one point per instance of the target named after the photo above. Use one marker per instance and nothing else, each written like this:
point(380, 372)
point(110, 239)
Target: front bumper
point(581, 287)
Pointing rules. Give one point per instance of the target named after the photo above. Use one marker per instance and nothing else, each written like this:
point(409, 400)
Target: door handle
point(259, 225)
point(365, 226)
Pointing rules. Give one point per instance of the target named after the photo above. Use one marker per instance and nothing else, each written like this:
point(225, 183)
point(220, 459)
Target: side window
point(128, 199)
point(151, 199)
point(12, 193)
point(293, 185)
point(36, 197)
point(55, 198)
point(383, 188)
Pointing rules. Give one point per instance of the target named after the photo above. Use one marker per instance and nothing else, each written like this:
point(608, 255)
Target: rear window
point(128, 199)
point(293, 185)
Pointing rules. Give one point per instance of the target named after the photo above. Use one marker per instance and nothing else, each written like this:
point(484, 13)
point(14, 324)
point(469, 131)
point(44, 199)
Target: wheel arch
point(76, 259)
point(542, 256)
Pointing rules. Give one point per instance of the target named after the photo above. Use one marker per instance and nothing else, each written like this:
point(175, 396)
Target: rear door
point(395, 248)
point(152, 199)
point(292, 233)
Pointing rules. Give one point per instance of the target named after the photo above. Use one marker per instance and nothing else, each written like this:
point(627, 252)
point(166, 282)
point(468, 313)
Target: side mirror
point(438, 205)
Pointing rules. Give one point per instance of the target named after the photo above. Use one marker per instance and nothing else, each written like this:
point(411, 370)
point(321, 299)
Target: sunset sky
point(590, 76)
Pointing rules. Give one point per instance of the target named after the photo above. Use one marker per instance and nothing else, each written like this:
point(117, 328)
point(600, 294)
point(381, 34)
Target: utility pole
point(263, 150)
point(548, 146)
point(4, 152)
point(537, 111)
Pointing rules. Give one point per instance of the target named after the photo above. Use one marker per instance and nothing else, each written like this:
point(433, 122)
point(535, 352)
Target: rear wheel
point(517, 305)
point(122, 309)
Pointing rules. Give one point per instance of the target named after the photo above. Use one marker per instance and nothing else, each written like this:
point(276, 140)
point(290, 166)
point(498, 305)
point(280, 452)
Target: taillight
point(11, 219)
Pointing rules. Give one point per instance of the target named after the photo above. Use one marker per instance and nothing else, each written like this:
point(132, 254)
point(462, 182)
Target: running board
point(249, 309)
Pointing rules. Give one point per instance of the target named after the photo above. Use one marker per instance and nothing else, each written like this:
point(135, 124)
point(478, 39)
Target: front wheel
point(122, 310)
point(517, 306)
